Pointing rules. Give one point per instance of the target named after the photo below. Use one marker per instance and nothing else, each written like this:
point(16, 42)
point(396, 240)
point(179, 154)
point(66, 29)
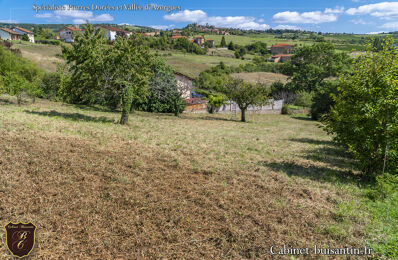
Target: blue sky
point(354, 16)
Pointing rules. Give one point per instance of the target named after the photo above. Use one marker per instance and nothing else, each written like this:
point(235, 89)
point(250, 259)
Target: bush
point(286, 110)
point(322, 100)
point(365, 115)
point(304, 99)
point(50, 85)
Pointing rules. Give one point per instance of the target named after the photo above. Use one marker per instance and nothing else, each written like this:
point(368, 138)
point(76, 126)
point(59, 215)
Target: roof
point(283, 45)
point(282, 55)
point(110, 28)
point(177, 37)
point(195, 101)
point(71, 29)
point(23, 29)
point(183, 75)
point(10, 31)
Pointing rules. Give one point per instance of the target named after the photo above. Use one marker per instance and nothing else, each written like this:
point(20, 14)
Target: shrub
point(304, 99)
point(322, 100)
point(365, 116)
point(286, 110)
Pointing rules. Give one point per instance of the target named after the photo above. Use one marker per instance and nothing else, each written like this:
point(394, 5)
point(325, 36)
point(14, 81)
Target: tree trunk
point(125, 118)
point(243, 113)
point(19, 99)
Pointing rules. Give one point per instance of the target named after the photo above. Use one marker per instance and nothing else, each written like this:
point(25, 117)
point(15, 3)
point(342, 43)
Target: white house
point(25, 31)
point(185, 85)
point(112, 32)
point(67, 33)
point(8, 34)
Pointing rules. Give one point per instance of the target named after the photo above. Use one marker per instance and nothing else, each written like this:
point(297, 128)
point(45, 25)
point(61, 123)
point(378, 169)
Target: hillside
point(204, 185)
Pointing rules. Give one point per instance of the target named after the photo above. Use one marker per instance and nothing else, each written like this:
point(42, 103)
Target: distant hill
point(56, 27)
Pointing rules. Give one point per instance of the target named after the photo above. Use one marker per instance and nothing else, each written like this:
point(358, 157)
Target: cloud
point(376, 32)
point(261, 20)
point(199, 16)
point(382, 10)
point(286, 27)
point(78, 16)
point(162, 27)
point(390, 25)
point(337, 10)
point(187, 16)
point(8, 21)
point(359, 21)
point(306, 17)
point(45, 15)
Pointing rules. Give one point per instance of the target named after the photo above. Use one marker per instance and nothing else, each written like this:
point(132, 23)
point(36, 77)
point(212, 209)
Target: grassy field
point(196, 186)
point(192, 64)
point(245, 40)
point(263, 77)
point(44, 55)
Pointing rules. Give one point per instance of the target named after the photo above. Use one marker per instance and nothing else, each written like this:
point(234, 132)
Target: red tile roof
point(10, 31)
point(195, 101)
point(282, 55)
point(282, 45)
point(110, 28)
point(177, 37)
point(72, 29)
point(23, 29)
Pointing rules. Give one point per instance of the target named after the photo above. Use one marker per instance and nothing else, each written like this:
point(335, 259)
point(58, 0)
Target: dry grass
point(44, 55)
point(195, 187)
point(262, 77)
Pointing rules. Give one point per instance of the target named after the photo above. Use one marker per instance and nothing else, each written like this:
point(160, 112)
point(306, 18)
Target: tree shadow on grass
point(5, 101)
point(337, 164)
point(71, 116)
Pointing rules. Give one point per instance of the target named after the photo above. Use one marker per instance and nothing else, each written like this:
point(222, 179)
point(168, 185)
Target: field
point(262, 77)
point(197, 186)
point(192, 64)
point(43, 54)
point(245, 40)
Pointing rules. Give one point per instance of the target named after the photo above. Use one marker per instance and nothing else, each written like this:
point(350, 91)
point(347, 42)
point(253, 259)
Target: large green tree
point(365, 115)
point(246, 94)
point(311, 65)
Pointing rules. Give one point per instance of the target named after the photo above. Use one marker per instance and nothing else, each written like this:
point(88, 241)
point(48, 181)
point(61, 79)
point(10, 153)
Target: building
point(282, 49)
point(8, 34)
point(211, 43)
point(185, 85)
point(67, 33)
point(197, 105)
point(199, 40)
point(281, 58)
point(112, 32)
point(24, 31)
point(176, 37)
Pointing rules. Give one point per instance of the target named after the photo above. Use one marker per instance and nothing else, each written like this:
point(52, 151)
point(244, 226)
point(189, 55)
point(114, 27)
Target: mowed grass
point(196, 186)
point(192, 64)
point(45, 55)
point(262, 77)
point(246, 40)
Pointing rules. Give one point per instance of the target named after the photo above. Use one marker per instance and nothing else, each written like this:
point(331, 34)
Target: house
point(67, 33)
point(281, 58)
point(176, 37)
point(113, 32)
point(211, 43)
point(8, 34)
point(24, 31)
point(185, 85)
point(199, 40)
point(196, 105)
point(282, 49)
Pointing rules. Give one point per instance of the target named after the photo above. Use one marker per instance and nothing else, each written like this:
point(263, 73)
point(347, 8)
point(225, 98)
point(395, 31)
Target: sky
point(351, 16)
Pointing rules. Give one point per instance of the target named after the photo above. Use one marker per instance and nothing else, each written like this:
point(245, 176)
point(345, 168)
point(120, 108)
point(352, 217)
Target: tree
point(311, 65)
point(164, 95)
point(365, 115)
point(246, 94)
point(127, 68)
point(25, 37)
point(223, 42)
point(231, 46)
